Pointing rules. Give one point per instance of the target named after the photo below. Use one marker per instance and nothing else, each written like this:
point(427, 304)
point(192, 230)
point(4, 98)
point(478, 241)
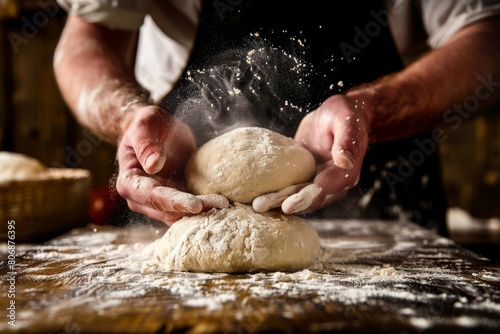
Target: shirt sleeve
point(114, 14)
point(442, 19)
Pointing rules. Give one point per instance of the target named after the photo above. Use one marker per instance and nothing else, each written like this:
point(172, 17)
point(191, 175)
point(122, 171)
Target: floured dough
point(247, 162)
point(17, 167)
point(238, 239)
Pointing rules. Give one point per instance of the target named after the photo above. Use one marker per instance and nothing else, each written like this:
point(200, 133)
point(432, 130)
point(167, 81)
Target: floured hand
point(274, 200)
point(337, 134)
point(152, 155)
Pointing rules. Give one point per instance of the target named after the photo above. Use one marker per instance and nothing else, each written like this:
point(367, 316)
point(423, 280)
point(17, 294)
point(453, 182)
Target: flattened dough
point(247, 162)
point(238, 239)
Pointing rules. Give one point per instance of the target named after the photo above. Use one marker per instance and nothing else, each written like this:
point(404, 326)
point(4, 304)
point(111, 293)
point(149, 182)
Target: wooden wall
point(34, 120)
point(471, 165)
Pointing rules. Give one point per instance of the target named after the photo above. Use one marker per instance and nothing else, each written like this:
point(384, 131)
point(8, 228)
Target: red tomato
point(106, 206)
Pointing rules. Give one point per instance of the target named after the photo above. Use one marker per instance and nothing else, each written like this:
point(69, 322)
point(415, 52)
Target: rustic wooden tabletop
point(372, 276)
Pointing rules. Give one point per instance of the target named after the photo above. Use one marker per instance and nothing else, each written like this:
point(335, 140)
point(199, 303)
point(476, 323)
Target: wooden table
point(372, 276)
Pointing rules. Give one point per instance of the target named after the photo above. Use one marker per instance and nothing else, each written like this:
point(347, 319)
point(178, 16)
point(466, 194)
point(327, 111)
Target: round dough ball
point(238, 239)
point(247, 162)
point(18, 167)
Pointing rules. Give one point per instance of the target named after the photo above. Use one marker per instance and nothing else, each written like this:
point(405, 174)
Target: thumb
point(153, 163)
point(149, 152)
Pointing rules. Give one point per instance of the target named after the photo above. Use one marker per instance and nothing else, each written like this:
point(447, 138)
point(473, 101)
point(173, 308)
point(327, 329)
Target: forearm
point(94, 80)
point(458, 80)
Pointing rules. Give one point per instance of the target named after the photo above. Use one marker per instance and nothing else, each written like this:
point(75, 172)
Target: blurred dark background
point(33, 117)
point(35, 121)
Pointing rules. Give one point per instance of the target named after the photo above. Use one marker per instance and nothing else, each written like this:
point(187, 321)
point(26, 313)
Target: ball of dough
point(17, 167)
point(238, 239)
point(247, 162)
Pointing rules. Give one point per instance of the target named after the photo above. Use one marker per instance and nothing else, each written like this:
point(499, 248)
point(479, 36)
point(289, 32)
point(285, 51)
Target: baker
point(361, 97)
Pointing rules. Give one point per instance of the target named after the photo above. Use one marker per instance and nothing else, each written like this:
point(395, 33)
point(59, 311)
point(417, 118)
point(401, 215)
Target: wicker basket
point(49, 204)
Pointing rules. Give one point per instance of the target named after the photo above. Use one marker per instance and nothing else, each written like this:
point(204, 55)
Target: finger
point(170, 199)
point(302, 200)
point(331, 184)
point(167, 217)
point(328, 199)
point(350, 142)
point(139, 150)
point(209, 202)
point(213, 201)
point(274, 200)
point(333, 179)
point(138, 187)
point(160, 141)
point(309, 199)
point(149, 152)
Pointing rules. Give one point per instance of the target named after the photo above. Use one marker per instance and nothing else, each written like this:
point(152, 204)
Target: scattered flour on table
point(349, 271)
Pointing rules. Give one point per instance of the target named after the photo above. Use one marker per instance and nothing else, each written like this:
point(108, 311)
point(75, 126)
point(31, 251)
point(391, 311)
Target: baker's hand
point(337, 134)
point(152, 154)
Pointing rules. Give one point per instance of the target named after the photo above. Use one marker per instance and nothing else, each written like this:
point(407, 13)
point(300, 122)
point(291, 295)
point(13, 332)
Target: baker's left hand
point(337, 133)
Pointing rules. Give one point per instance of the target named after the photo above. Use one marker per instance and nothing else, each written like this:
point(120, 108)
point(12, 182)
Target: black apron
point(257, 65)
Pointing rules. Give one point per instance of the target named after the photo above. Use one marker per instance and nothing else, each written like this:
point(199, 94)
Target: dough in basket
point(18, 167)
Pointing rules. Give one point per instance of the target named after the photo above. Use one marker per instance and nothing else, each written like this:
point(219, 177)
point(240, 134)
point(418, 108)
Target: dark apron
point(257, 65)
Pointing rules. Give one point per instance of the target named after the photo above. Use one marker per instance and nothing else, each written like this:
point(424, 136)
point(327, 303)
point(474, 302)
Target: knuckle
point(124, 181)
point(160, 201)
point(152, 202)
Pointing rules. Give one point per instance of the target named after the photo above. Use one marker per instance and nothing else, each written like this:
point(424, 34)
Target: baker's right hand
point(337, 134)
point(152, 155)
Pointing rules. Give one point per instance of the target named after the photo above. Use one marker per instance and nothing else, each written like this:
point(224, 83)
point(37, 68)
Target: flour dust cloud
point(257, 85)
